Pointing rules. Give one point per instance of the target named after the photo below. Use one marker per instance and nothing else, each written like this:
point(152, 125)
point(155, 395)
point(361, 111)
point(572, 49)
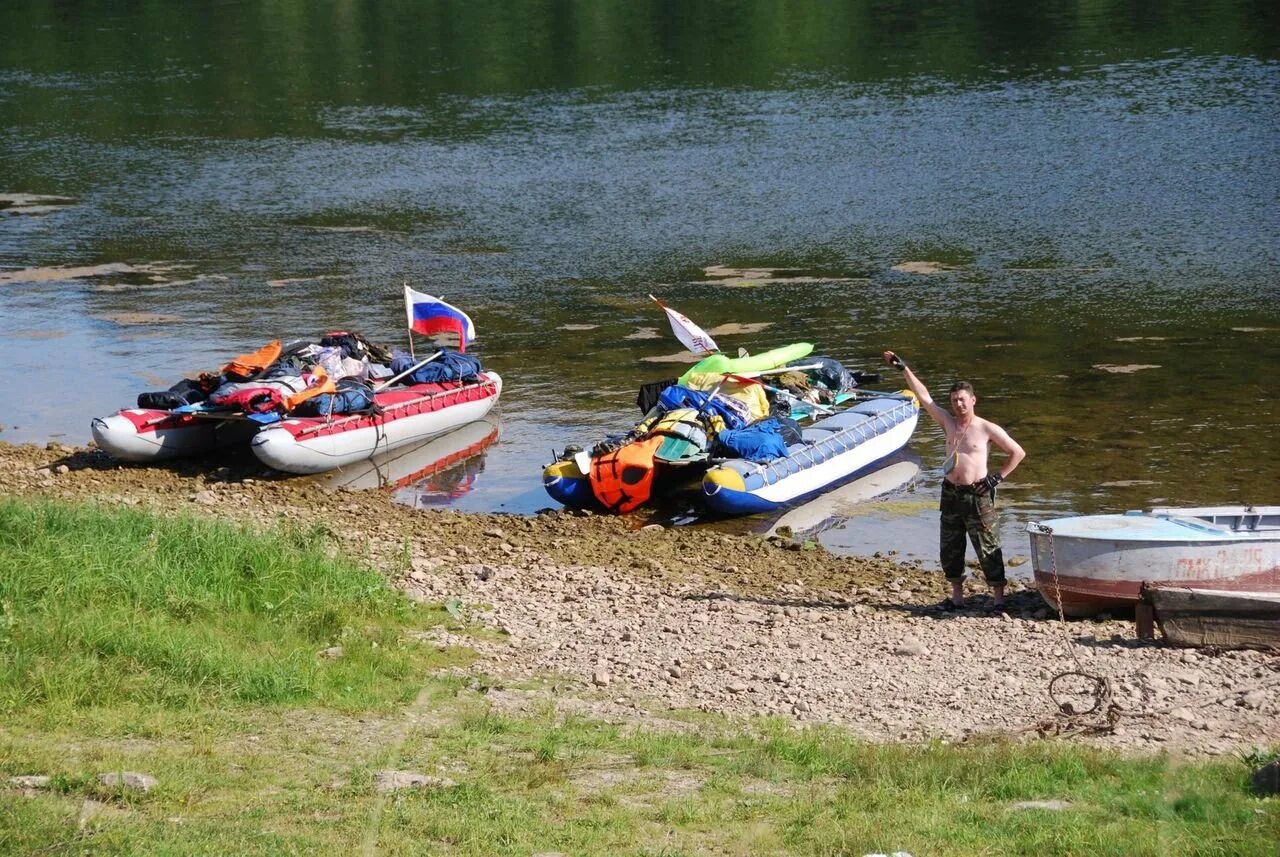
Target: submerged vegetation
point(203, 655)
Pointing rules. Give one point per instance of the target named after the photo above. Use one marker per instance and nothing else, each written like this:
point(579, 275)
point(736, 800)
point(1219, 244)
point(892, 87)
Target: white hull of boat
point(1096, 563)
point(139, 434)
point(315, 445)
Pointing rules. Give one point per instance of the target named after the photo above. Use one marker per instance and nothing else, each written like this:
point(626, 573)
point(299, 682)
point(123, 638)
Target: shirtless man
point(968, 490)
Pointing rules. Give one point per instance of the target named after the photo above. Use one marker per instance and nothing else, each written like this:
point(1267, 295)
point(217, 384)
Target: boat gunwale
point(391, 412)
point(1199, 532)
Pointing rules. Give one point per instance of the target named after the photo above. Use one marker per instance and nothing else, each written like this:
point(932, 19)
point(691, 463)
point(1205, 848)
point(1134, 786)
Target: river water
point(1076, 208)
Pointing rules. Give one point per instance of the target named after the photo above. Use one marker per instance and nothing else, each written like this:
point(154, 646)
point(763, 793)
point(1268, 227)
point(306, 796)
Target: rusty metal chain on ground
point(1101, 692)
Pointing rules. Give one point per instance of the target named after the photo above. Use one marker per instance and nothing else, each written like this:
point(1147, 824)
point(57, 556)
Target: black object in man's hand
point(987, 484)
point(894, 360)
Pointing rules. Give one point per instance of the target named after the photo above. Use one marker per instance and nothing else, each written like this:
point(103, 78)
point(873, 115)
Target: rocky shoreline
point(639, 624)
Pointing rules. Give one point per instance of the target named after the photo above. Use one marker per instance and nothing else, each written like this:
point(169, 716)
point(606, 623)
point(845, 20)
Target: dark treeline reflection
point(249, 68)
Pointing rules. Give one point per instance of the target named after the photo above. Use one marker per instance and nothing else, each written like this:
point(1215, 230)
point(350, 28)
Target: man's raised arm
point(918, 387)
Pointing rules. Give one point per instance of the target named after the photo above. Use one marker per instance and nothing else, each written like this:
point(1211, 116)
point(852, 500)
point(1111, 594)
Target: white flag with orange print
point(690, 335)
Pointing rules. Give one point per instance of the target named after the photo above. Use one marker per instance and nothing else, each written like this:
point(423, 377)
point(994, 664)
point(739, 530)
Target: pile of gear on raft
point(708, 414)
point(336, 375)
point(722, 417)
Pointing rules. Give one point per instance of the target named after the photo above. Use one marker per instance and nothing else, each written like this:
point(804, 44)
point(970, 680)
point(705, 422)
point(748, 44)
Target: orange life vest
point(248, 365)
point(318, 383)
point(622, 479)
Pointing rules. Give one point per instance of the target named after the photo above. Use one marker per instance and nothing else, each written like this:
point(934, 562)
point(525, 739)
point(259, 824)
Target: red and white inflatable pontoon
point(145, 434)
point(410, 414)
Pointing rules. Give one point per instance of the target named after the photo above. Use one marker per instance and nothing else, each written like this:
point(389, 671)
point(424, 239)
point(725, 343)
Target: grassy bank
point(192, 652)
point(102, 608)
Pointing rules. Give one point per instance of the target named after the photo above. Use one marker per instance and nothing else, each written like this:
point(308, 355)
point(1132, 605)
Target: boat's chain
point(1101, 690)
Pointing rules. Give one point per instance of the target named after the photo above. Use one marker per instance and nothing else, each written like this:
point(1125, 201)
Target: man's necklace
point(949, 463)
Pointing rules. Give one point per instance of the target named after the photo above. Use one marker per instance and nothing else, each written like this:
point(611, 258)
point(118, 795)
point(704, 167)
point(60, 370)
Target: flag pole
point(412, 356)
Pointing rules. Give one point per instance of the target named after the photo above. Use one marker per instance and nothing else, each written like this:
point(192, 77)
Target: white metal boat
point(1098, 562)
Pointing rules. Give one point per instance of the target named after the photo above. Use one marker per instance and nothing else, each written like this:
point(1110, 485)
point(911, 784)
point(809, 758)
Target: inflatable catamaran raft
point(832, 450)
point(308, 407)
point(710, 426)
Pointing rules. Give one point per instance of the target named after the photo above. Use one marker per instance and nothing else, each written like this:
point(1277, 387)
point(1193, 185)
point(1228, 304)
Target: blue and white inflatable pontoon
point(836, 448)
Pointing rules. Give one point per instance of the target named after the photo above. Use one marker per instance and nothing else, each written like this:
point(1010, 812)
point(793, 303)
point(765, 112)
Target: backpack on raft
point(733, 412)
point(829, 372)
point(185, 392)
point(352, 396)
point(685, 438)
point(759, 442)
point(355, 346)
point(449, 366)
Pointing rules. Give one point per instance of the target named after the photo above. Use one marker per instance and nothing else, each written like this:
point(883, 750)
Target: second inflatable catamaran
point(831, 451)
point(732, 425)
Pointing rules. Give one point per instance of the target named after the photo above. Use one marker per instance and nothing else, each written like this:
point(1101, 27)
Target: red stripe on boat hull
point(1083, 596)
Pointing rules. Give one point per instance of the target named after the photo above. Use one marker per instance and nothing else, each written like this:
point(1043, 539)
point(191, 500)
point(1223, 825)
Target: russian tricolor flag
point(433, 317)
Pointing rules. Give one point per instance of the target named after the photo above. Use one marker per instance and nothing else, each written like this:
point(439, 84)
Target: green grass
point(105, 607)
point(187, 650)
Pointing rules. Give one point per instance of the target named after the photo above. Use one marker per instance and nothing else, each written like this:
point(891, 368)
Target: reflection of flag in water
point(441, 488)
point(690, 335)
point(432, 317)
point(448, 477)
